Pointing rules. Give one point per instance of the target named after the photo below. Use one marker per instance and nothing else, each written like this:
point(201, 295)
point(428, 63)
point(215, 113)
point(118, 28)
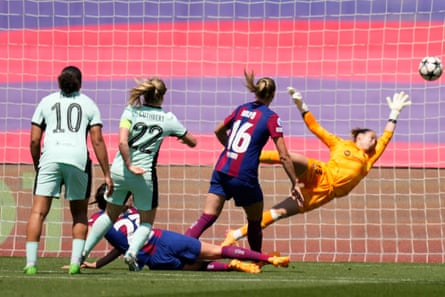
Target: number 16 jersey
point(250, 125)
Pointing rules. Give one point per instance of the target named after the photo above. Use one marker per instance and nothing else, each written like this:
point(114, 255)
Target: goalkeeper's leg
point(269, 217)
point(270, 157)
point(273, 157)
point(287, 207)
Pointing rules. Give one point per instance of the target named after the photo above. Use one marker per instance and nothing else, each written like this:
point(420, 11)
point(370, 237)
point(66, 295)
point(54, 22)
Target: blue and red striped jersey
point(250, 125)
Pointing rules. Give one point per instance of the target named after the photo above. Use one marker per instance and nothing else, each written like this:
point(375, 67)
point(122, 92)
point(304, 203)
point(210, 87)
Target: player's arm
point(324, 135)
point(221, 133)
point(285, 158)
point(100, 149)
point(108, 258)
point(35, 148)
point(396, 104)
point(188, 139)
point(124, 148)
point(289, 168)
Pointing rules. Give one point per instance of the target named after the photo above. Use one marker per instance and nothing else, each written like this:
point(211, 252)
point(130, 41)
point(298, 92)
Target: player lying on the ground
point(350, 161)
point(167, 250)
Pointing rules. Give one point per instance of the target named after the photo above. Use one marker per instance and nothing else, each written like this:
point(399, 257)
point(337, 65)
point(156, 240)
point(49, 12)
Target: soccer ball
point(430, 68)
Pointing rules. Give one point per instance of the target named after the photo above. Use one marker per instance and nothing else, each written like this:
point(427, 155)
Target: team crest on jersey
point(347, 153)
point(279, 128)
point(317, 169)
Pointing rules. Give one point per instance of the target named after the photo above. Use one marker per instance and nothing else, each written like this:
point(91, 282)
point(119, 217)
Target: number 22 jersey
point(148, 126)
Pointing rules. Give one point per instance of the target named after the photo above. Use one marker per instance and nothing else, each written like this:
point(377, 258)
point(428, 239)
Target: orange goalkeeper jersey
point(347, 166)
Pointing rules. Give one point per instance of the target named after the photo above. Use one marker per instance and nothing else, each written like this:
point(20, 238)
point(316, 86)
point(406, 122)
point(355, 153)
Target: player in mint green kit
point(143, 126)
point(65, 117)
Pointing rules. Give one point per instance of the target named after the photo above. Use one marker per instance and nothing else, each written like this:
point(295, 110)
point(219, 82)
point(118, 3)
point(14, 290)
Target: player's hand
point(298, 99)
point(110, 187)
point(297, 196)
point(136, 170)
point(88, 265)
point(397, 103)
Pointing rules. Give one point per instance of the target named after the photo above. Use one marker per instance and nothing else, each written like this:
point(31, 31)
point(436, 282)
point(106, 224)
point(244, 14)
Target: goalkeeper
point(350, 161)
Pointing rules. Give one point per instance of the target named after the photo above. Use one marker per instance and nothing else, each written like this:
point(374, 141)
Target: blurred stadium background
point(345, 56)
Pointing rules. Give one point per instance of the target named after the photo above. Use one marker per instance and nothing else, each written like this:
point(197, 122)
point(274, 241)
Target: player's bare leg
point(39, 211)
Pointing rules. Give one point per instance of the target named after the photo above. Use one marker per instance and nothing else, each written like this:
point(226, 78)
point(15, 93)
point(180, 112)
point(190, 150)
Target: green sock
point(97, 232)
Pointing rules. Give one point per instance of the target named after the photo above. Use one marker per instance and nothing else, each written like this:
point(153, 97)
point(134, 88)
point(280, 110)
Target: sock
point(97, 232)
point(217, 266)
point(204, 222)
point(255, 235)
point(236, 252)
point(140, 236)
point(269, 217)
point(274, 216)
point(77, 249)
point(270, 157)
point(32, 248)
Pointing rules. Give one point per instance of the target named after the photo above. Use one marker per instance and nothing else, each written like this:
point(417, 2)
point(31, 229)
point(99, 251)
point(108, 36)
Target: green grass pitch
point(299, 279)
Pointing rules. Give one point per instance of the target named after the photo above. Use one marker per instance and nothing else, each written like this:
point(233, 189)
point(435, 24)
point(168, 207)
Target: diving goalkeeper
point(349, 162)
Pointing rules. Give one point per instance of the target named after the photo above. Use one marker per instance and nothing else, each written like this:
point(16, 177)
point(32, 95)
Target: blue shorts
point(244, 193)
point(171, 251)
point(51, 176)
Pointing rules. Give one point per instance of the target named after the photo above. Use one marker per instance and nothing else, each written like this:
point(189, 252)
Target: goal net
point(345, 56)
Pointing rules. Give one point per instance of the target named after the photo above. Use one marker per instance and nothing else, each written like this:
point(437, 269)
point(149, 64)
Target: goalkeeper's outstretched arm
point(298, 100)
point(396, 104)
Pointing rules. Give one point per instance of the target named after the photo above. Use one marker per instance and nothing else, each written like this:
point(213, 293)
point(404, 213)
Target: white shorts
point(52, 176)
point(144, 190)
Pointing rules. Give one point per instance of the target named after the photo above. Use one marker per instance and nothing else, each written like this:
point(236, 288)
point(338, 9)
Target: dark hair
point(264, 89)
point(355, 132)
point(100, 197)
point(70, 80)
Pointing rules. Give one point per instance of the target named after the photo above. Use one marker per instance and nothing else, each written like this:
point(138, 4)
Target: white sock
point(97, 232)
point(238, 234)
point(32, 248)
point(140, 236)
point(274, 214)
point(76, 251)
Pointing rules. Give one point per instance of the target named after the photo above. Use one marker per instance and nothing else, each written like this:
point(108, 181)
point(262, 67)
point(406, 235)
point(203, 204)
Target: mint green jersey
point(149, 126)
point(66, 121)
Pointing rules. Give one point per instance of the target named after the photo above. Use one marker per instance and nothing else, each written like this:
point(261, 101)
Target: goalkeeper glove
point(298, 99)
point(398, 102)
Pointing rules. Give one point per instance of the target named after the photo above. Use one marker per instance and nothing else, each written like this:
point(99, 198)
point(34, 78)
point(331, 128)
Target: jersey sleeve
point(274, 126)
point(176, 127)
point(117, 239)
point(95, 114)
point(229, 119)
point(38, 118)
point(127, 115)
point(382, 143)
point(324, 135)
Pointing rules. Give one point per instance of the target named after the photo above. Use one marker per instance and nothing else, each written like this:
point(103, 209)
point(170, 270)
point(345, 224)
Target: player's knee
point(38, 215)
